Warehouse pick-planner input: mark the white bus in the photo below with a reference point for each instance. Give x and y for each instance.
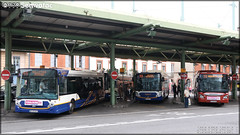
(152, 86)
(55, 91)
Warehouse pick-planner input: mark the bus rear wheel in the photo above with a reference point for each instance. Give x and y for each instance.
(72, 106)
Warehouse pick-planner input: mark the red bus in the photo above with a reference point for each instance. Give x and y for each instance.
(211, 87)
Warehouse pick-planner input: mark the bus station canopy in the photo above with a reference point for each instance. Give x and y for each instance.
(81, 30)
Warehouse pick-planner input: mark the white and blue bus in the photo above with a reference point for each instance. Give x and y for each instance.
(55, 91)
(152, 86)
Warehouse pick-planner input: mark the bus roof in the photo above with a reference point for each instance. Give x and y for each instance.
(69, 73)
(209, 72)
(163, 73)
(84, 73)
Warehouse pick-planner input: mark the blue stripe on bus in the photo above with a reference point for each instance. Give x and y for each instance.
(55, 109)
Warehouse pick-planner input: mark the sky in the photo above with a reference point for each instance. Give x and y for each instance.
(215, 14)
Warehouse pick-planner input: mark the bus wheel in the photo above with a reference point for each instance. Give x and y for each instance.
(71, 105)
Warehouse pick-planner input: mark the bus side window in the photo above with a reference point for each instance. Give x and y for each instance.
(62, 85)
(84, 89)
(71, 85)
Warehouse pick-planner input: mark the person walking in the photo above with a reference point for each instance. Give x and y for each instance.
(128, 93)
(186, 96)
(174, 90)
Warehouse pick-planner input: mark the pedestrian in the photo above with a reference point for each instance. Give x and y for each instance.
(179, 90)
(128, 93)
(174, 90)
(186, 96)
(120, 91)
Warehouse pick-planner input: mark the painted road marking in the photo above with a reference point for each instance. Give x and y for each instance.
(142, 112)
(170, 113)
(118, 123)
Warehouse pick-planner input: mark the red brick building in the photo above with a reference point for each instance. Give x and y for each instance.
(60, 61)
(223, 68)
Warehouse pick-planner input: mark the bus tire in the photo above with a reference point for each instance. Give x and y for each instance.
(72, 106)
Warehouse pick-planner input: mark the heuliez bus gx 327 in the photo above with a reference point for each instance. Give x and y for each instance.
(64, 90)
(211, 87)
(152, 86)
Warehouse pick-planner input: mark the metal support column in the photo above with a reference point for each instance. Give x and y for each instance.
(112, 82)
(234, 84)
(8, 64)
(72, 62)
(182, 80)
(219, 67)
(134, 73)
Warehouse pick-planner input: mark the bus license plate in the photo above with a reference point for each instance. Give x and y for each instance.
(213, 98)
(33, 111)
(148, 98)
(213, 101)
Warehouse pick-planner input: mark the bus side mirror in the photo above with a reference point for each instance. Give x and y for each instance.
(162, 79)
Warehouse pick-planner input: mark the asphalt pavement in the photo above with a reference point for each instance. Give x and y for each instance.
(128, 117)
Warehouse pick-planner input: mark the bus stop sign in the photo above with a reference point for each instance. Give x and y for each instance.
(5, 74)
(114, 75)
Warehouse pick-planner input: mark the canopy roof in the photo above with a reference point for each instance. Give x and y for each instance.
(81, 30)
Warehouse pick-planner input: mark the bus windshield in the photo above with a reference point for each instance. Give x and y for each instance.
(148, 82)
(37, 84)
(214, 83)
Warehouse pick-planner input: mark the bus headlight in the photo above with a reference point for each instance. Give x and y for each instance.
(225, 97)
(51, 104)
(159, 94)
(201, 96)
(137, 94)
(17, 102)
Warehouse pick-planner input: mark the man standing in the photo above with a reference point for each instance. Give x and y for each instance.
(174, 90)
(186, 96)
(179, 90)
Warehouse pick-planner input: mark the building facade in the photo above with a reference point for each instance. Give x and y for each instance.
(223, 68)
(19, 59)
(34, 60)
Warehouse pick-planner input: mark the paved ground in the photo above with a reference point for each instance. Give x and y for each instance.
(104, 107)
(127, 117)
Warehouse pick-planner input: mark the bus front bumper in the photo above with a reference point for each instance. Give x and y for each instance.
(204, 100)
(149, 98)
(51, 110)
